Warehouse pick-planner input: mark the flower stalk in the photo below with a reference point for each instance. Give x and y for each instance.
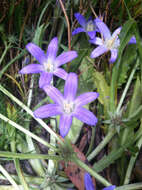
(7, 47)
(133, 186)
(103, 143)
(22, 156)
(127, 87)
(91, 171)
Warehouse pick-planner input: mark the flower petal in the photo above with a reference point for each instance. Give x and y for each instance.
(52, 49)
(132, 40)
(96, 41)
(78, 30)
(61, 73)
(65, 124)
(98, 51)
(88, 182)
(47, 111)
(116, 32)
(86, 98)
(65, 58)
(114, 54)
(104, 30)
(70, 88)
(85, 116)
(91, 34)
(54, 94)
(36, 52)
(80, 19)
(45, 79)
(96, 28)
(112, 187)
(31, 68)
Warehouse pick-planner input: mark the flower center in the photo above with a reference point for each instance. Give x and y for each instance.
(68, 107)
(112, 43)
(90, 26)
(48, 66)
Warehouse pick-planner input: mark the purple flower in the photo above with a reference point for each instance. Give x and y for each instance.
(49, 63)
(88, 182)
(89, 27)
(68, 105)
(132, 40)
(90, 186)
(112, 187)
(108, 43)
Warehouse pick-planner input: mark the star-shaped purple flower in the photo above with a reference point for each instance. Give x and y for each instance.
(68, 105)
(49, 63)
(90, 186)
(108, 43)
(89, 26)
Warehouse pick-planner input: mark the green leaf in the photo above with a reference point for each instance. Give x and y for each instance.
(102, 88)
(77, 62)
(139, 45)
(38, 34)
(127, 59)
(126, 33)
(114, 155)
(137, 114)
(136, 100)
(133, 150)
(86, 80)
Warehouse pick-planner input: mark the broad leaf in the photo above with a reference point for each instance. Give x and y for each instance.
(102, 88)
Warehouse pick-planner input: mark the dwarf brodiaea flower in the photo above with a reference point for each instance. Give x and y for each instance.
(89, 26)
(108, 43)
(90, 186)
(49, 63)
(68, 105)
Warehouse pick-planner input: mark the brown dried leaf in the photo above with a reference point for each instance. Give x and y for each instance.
(76, 174)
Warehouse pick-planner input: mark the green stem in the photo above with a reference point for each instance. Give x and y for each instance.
(29, 179)
(107, 138)
(127, 86)
(23, 106)
(6, 174)
(10, 187)
(12, 123)
(92, 172)
(92, 141)
(5, 51)
(20, 174)
(133, 186)
(23, 156)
